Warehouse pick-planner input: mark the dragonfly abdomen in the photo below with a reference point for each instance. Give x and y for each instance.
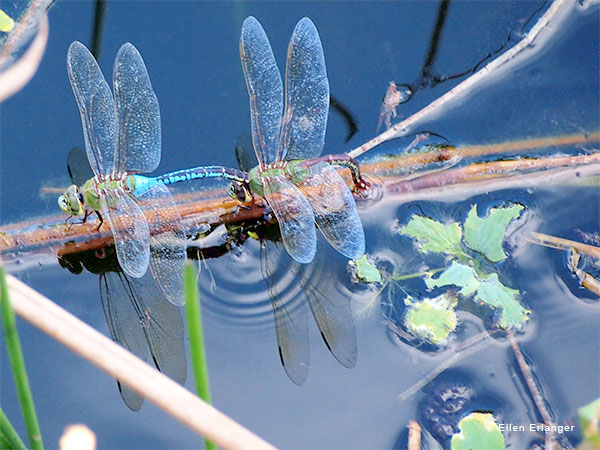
(203, 172)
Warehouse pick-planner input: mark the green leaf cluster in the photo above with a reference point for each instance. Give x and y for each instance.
(483, 236)
(432, 319)
(365, 271)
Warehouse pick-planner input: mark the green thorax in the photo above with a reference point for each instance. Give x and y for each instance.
(90, 190)
(292, 170)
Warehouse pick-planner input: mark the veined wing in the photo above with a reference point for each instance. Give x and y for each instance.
(306, 95)
(333, 316)
(96, 106)
(265, 89)
(167, 241)
(291, 326)
(130, 230)
(334, 209)
(137, 313)
(123, 323)
(295, 217)
(138, 115)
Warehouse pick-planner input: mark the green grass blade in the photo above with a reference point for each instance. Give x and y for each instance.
(17, 362)
(8, 436)
(194, 322)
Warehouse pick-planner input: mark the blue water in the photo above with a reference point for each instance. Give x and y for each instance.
(191, 52)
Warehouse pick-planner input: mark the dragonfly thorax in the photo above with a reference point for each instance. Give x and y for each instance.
(75, 200)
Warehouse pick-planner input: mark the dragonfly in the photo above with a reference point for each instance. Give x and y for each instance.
(330, 310)
(122, 139)
(299, 187)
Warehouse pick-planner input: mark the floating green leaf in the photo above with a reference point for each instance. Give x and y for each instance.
(365, 271)
(459, 275)
(494, 293)
(432, 319)
(6, 22)
(433, 235)
(478, 431)
(486, 235)
(589, 418)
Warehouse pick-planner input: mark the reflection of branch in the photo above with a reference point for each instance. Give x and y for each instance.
(402, 128)
(121, 364)
(533, 389)
(15, 77)
(99, 9)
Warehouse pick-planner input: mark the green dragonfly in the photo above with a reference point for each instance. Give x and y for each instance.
(300, 188)
(122, 138)
(137, 314)
(330, 310)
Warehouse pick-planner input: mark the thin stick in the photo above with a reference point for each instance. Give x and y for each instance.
(17, 363)
(477, 342)
(13, 79)
(121, 364)
(533, 389)
(401, 129)
(197, 350)
(563, 244)
(53, 232)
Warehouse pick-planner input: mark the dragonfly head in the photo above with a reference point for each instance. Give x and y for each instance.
(240, 191)
(71, 201)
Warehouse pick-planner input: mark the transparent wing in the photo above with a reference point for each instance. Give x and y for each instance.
(333, 316)
(130, 230)
(265, 89)
(306, 95)
(138, 115)
(137, 314)
(78, 167)
(167, 241)
(96, 106)
(295, 217)
(163, 328)
(291, 326)
(334, 209)
(123, 323)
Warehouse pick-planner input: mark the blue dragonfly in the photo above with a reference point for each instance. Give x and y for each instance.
(123, 138)
(300, 188)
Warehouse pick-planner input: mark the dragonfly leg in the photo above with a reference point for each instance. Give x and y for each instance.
(361, 185)
(100, 219)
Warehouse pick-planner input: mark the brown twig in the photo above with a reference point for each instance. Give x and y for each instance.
(553, 14)
(564, 244)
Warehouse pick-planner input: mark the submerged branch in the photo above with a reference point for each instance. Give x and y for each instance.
(402, 128)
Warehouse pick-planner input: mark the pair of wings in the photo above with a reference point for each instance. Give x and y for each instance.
(123, 136)
(330, 309)
(139, 319)
(297, 132)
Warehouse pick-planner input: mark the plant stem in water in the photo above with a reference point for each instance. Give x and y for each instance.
(18, 366)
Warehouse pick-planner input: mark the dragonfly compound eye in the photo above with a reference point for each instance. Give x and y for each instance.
(231, 191)
(63, 203)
